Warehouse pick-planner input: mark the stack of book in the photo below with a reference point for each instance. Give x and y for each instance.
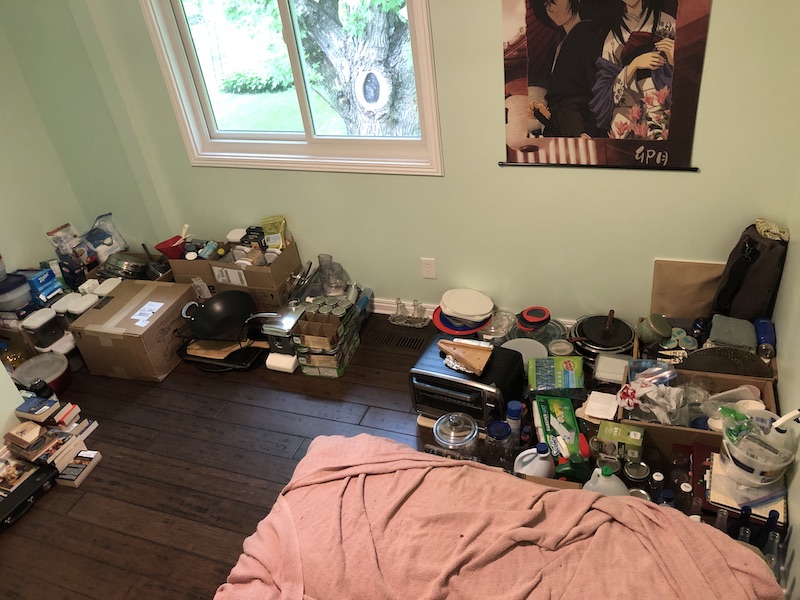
(49, 433)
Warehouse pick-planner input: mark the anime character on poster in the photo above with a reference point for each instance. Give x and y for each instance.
(633, 88)
(565, 111)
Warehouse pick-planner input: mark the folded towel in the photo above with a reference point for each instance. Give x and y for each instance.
(727, 331)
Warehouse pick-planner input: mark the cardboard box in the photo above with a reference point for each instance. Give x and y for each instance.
(682, 291)
(329, 364)
(269, 286)
(226, 272)
(323, 332)
(270, 276)
(664, 436)
(131, 333)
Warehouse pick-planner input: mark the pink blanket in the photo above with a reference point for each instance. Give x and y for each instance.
(369, 518)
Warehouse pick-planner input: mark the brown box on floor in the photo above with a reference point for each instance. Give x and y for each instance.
(685, 290)
(664, 436)
(268, 285)
(131, 333)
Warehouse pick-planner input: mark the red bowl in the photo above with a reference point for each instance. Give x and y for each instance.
(169, 249)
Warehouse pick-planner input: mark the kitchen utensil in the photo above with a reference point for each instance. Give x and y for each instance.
(155, 268)
(182, 237)
(223, 314)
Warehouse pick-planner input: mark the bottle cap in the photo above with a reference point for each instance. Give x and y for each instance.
(658, 476)
(542, 448)
(686, 488)
(514, 409)
(606, 471)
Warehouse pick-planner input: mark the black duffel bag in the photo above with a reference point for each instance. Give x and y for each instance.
(749, 284)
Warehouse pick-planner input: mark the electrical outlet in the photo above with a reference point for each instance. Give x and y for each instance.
(428, 268)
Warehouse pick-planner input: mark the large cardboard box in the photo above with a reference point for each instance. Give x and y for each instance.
(269, 286)
(664, 436)
(213, 272)
(131, 333)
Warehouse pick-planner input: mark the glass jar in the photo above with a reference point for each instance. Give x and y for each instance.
(636, 474)
(499, 445)
(457, 431)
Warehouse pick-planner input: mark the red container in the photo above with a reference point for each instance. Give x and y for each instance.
(169, 248)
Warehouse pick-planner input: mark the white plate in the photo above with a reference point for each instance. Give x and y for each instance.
(527, 347)
(467, 304)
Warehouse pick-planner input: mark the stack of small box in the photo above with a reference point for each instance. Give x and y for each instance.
(326, 337)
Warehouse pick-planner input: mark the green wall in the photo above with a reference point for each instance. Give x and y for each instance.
(96, 132)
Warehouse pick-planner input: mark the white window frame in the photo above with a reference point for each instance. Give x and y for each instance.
(207, 146)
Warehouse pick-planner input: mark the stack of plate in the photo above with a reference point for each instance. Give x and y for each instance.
(463, 311)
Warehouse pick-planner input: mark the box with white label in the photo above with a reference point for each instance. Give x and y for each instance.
(133, 332)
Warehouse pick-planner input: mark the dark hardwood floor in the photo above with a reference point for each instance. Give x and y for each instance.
(191, 465)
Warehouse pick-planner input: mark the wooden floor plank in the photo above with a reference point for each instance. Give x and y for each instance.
(122, 551)
(237, 460)
(189, 476)
(305, 426)
(172, 500)
(191, 465)
(178, 533)
(78, 574)
(240, 435)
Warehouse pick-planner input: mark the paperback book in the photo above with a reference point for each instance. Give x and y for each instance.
(12, 472)
(24, 434)
(37, 409)
(79, 468)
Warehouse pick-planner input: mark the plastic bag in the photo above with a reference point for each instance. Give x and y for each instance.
(105, 238)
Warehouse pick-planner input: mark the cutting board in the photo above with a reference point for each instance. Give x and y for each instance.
(472, 356)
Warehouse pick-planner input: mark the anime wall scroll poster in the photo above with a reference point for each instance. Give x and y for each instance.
(603, 82)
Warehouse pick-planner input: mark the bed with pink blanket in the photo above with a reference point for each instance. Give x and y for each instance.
(368, 518)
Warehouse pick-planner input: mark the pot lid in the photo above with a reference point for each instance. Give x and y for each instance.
(454, 430)
(46, 367)
(11, 283)
(660, 325)
(532, 318)
(606, 331)
(638, 471)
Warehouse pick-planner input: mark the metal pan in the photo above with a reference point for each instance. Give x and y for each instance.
(224, 314)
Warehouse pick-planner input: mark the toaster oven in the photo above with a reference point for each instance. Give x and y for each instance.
(436, 389)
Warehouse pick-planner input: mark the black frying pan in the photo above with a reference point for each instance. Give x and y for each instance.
(221, 315)
(605, 331)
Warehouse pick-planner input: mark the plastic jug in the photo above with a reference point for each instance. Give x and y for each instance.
(575, 469)
(604, 481)
(536, 462)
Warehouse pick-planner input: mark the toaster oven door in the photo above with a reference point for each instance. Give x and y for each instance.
(433, 399)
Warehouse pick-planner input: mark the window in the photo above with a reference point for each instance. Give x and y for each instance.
(328, 85)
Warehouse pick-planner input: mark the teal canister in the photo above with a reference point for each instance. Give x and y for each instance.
(653, 329)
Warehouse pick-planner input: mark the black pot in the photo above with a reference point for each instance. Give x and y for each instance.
(221, 315)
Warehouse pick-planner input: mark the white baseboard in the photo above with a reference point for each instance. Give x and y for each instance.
(386, 306)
